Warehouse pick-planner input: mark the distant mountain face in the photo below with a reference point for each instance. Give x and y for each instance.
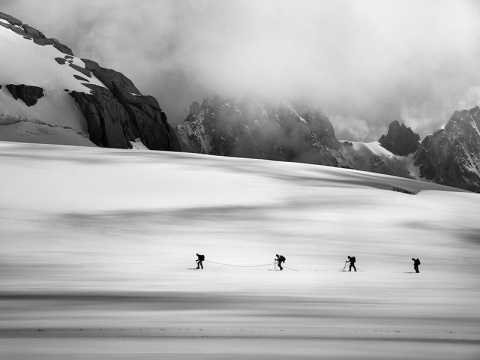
(254, 129)
(400, 140)
(300, 132)
(451, 156)
(48, 95)
(286, 131)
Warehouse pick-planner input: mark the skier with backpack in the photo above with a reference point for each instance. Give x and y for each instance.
(351, 260)
(280, 259)
(416, 263)
(200, 260)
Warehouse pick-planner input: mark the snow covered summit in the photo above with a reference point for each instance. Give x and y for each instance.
(48, 95)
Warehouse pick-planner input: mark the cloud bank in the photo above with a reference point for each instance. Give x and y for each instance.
(367, 62)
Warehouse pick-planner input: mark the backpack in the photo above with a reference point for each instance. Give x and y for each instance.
(201, 257)
(353, 260)
(282, 258)
(418, 261)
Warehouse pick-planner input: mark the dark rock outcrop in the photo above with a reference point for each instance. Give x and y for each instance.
(61, 47)
(29, 32)
(119, 113)
(109, 77)
(29, 94)
(116, 117)
(81, 70)
(451, 156)
(12, 20)
(80, 78)
(107, 120)
(34, 33)
(259, 129)
(57, 44)
(400, 140)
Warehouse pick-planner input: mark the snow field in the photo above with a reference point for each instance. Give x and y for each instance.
(97, 247)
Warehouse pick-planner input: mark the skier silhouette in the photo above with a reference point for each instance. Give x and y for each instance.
(200, 260)
(280, 259)
(352, 260)
(416, 262)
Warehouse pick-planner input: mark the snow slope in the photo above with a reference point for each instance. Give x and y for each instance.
(24, 62)
(97, 246)
(375, 158)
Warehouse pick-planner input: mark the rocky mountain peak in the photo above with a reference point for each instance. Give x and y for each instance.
(195, 108)
(400, 140)
(451, 156)
(258, 128)
(464, 119)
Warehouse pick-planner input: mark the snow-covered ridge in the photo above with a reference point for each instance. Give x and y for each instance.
(53, 87)
(25, 62)
(373, 157)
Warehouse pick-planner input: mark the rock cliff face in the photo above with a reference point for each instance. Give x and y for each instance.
(120, 114)
(29, 94)
(31, 33)
(400, 140)
(451, 156)
(259, 129)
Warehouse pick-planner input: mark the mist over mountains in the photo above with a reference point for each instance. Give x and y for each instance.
(300, 132)
(279, 130)
(49, 95)
(367, 63)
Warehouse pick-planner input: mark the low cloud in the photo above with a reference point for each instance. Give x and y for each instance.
(376, 60)
(350, 128)
(470, 99)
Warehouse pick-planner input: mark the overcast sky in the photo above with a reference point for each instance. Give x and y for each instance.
(366, 62)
